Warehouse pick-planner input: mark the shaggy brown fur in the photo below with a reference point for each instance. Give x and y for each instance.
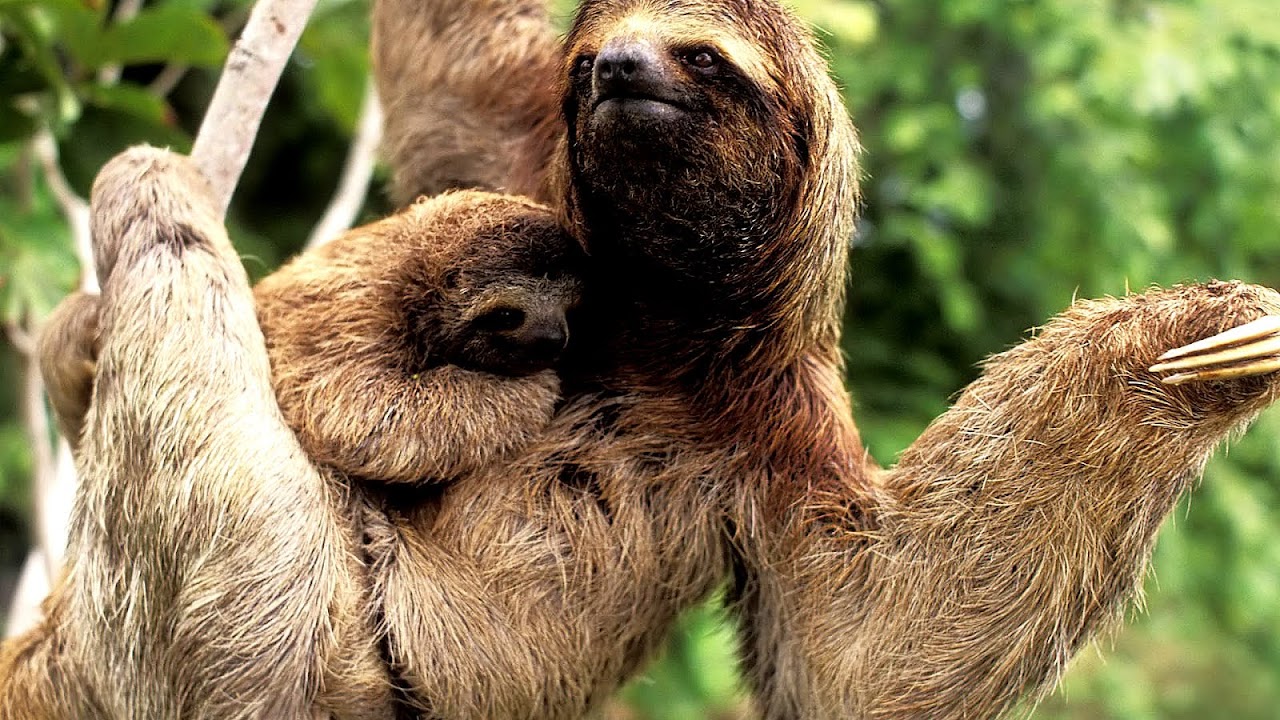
(420, 347)
(488, 121)
(564, 579)
(841, 573)
(533, 588)
(707, 430)
(223, 585)
(392, 334)
(416, 348)
(1013, 530)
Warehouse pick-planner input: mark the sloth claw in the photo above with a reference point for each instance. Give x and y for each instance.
(1245, 351)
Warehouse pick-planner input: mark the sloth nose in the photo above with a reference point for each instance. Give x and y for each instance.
(544, 337)
(626, 66)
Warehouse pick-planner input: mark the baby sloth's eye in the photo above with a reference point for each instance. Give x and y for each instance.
(585, 64)
(701, 58)
(500, 319)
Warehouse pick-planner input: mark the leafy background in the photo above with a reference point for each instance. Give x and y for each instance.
(1018, 153)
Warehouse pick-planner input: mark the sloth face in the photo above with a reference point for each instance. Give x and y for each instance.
(689, 132)
(514, 327)
(502, 306)
(648, 86)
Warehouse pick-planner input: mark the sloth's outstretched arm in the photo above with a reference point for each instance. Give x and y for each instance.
(210, 574)
(1019, 524)
(468, 89)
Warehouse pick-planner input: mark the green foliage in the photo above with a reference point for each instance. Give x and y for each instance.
(1018, 153)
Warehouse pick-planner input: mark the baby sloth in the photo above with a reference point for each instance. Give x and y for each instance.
(422, 346)
(417, 348)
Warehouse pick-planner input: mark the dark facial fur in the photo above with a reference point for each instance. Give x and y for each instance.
(655, 106)
(510, 319)
(684, 148)
(710, 167)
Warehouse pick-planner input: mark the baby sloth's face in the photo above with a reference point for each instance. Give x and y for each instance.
(508, 323)
(507, 316)
(491, 289)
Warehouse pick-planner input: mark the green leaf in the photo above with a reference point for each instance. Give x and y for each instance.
(166, 34)
(131, 99)
(36, 29)
(39, 266)
(335, 47)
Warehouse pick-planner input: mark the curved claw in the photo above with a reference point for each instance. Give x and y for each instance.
(1251, 349)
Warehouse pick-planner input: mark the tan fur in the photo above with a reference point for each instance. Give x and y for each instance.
(350, 369)
(68, 351)
(354, 378)
(223, 585)
(486, 123)
(359, 397)
(1010, 533)
(708, 430)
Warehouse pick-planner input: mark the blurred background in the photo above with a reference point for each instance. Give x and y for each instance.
(1019, 153)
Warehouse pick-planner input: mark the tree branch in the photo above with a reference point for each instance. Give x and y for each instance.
(54, 476)
(33, 586)
(251, 73)
(356, 172)
(168, 79)
(73, 206)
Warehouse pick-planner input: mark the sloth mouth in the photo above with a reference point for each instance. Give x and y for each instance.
(639, 104)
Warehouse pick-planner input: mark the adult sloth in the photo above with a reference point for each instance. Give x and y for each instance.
(532, 589)
(709, 168)
(949, 586)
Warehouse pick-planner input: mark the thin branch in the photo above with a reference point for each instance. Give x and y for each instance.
(57, 498)
(21, 339)
(172, 74)
(54, 475)
(73, 206)
(252, 71)
(356, 172)
(33, 586)
(168, 79)
(35, 419)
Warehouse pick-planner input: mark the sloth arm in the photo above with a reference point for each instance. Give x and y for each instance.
(344, 379)
(341, 391)
(1015, 528)
(468, 92)
(208, 558)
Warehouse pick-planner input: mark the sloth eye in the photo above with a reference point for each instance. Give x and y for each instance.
(585, 64)
(500, 319)
(702, 58)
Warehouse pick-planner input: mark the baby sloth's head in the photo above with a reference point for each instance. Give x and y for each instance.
(422, 346)
(506, 316)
